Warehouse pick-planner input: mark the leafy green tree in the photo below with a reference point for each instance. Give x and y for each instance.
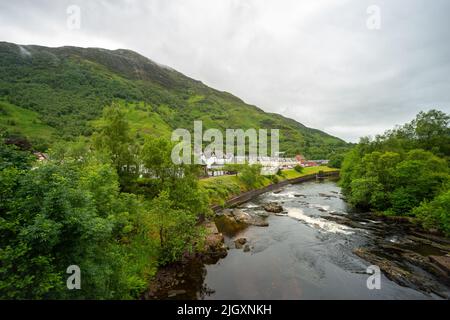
(251, 176)
(177, 199)
(434, 214)
(432, 131)
(113, 137)
(403, 172)
(11, 156)
(335, 161)
(176, 227)
(61, 214)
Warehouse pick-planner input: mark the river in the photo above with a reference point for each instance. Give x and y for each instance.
(304, 254)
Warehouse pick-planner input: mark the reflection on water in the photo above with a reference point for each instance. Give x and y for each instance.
(300, 255)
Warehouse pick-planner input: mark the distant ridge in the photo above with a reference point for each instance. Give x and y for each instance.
(66, 88)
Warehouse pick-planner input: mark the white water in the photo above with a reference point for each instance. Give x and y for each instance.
(318, 223)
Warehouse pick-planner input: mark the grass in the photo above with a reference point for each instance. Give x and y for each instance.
(291, 173)
(142, 120)
(222, 188)
(24, 122)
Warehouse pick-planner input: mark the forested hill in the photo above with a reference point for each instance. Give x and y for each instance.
(58, 93)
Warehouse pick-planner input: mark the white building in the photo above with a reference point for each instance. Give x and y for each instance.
(270, 165)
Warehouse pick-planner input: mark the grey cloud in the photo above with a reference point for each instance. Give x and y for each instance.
(314, 61)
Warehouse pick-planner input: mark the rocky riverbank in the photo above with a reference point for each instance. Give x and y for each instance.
(170, 282)
(325, 231)
(400, 248)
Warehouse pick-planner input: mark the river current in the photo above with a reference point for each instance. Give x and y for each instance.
(300, 255)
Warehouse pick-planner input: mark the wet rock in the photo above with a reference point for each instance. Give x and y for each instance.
(443, 262)
(431, 238)
(399, 273)
(298, 195)
(324, 195)
(345, 221)
(262, 214)
(337, 213)
(173, 293)
(273, 207)
(214, 242)
(258, 222)
(240, 217)
(228, 225)
(239, 243)
(246, 248)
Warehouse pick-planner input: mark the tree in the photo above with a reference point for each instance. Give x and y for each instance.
(403, 172)
(61, 214)
(176, 227)
(434, 214)
(432, 131)
(336, 160)
(113, 137)
(11, 156)
(177, 200)
(251, 176)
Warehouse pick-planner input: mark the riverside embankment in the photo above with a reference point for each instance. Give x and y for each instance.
(318, 247)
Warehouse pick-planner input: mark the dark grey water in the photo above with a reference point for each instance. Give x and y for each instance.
(299, 256)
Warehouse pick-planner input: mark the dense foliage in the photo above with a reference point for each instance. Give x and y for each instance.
(404, 171)
(64, 90)
(72, 210)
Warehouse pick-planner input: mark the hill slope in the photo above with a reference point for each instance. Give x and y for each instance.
(68, 87)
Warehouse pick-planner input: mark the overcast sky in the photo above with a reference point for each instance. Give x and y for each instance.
(315, 61)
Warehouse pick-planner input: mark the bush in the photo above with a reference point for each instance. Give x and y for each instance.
(251, 176)
(58, 215)
(336, 161)
(435, 214)
(274, 179)
(298, 168)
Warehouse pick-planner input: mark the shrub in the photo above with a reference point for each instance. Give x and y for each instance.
(435, 214)
(251, 176)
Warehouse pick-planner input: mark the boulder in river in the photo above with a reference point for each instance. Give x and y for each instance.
(399, 273)
(241, 216)
(214, 241)
(246, 248)
(173, 293)
(443, 262)
(239, 243)
(273, 207)
(237, 219)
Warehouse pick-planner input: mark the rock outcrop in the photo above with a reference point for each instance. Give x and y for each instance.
(237, 216)
(214, 242)
(239, 243)
(273, 207)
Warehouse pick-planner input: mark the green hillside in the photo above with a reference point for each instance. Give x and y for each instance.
(66, 88)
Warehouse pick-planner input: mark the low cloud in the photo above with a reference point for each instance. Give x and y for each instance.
(314, 61)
